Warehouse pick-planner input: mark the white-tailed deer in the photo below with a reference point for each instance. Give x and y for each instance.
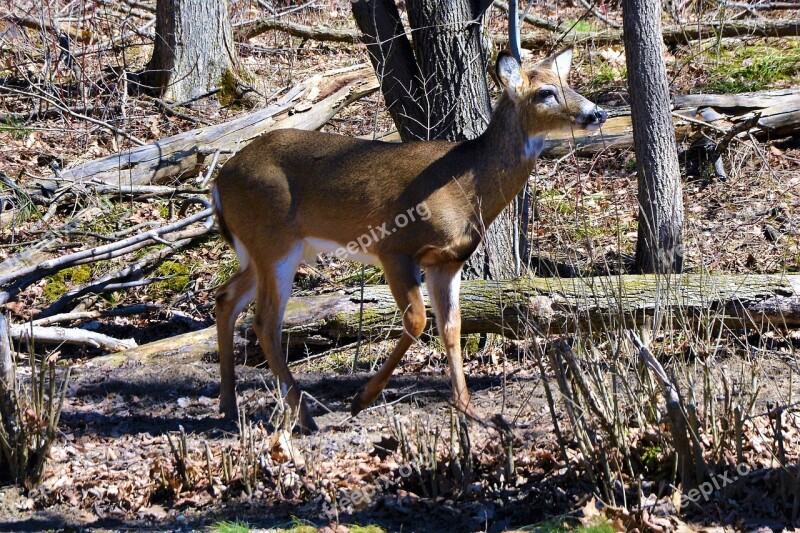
(291, 194)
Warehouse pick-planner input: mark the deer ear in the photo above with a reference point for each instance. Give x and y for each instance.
(509, 71)
(562, 62)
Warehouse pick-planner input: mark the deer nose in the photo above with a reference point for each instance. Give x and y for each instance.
(600, 115)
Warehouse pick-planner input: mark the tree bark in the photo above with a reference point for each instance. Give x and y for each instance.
(521, 307)
(659, 245)
(395, 66)
(194, 50)
(453, 64)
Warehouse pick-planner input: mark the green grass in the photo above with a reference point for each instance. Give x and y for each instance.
(605, 75)
(582, 25)
(15, 127)
(230, 527)
(752, 68)
(557, 525)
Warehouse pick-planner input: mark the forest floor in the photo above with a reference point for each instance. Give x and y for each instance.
(407, 464)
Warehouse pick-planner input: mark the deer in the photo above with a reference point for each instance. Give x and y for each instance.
(408, 207)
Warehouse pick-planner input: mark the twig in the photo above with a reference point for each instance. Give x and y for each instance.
(691, 463)
(170, 110)
(44, 114)
(317, 33)
(207, 178)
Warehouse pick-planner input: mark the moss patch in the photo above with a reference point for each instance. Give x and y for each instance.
(58, 284)
(753, 68)
(177, 274)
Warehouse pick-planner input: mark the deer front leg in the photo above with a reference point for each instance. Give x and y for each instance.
(444, 286)
(403, 276)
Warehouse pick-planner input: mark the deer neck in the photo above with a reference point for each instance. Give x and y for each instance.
(508, 154)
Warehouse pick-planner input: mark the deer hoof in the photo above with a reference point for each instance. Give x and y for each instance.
(229, 410)
(357, 405)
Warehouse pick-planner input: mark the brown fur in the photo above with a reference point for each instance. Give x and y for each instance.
(290, 185)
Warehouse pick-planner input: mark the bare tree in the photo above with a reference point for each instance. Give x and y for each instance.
(194, 50)
(660, 240)
(435, 87)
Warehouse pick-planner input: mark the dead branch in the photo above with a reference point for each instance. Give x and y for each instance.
(132, 272)
(17, 280)
(32, 23)
(680, 34)
(316, 33)
(760, 5)
(82, 337)
(592, 8)
(674, 34)
(539, 22)
(81, 316)
(185, 154)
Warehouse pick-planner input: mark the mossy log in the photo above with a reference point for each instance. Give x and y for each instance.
(528, 306)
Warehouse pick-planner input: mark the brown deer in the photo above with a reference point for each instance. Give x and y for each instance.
(291, 194)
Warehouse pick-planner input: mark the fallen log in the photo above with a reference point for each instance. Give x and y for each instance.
(525, 307)
(184, 154)
(780, 116)
(678, 34)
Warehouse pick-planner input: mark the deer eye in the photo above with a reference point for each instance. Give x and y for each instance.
(545, 93)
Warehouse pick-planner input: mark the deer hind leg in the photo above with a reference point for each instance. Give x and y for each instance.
(274, 289)
(444, 285)
(404, 280)
(232, 298)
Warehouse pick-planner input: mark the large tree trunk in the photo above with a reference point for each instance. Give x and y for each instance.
(453, 64)
(659, 245)
(194, 50)
(522, 307)
(438, 89)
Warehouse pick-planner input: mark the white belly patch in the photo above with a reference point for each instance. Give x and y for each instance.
(312, 247)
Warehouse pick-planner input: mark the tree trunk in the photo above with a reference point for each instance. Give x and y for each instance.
(438, 89)
(516, 308)
(447, 43)
(659, 246)
(194, 50)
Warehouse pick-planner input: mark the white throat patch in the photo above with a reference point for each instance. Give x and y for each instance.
(534, 145)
